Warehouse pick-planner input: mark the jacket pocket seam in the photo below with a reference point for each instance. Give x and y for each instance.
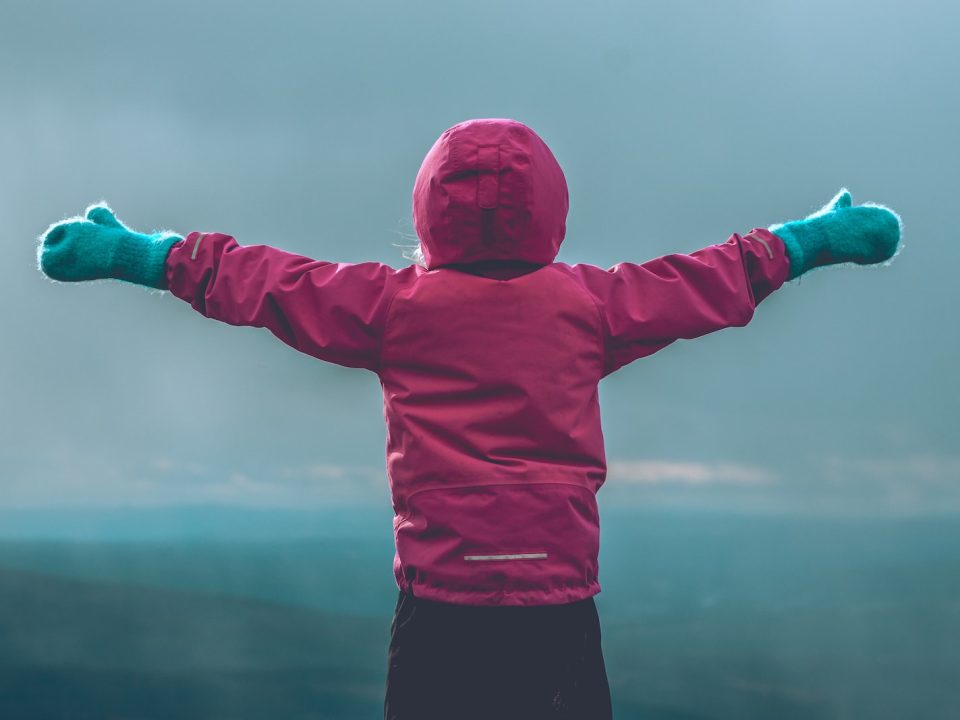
(465, 486)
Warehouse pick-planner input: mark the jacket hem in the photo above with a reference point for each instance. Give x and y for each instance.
(554, 596)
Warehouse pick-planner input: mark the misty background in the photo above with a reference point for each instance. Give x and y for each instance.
(780, 517)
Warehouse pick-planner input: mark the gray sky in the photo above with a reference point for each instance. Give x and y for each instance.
(303, 124)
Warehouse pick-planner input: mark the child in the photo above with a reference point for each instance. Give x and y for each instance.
(489, 354)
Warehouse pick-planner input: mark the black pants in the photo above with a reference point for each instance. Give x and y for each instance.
(460, 662)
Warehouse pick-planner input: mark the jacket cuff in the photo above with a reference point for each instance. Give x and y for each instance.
(766, 262)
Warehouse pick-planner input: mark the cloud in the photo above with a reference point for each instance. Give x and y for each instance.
(917, 483)
(912, 484)
(672, 472)
(924, 468)
(91, 480)
(94, 481)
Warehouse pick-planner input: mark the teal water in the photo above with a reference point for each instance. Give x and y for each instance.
(704, 616)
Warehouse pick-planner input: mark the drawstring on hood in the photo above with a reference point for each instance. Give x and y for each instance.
(489, 189)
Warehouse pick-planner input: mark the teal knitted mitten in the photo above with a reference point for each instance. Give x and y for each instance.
(100, 246)
(840, 233)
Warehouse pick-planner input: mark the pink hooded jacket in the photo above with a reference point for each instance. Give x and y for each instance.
(489, 357)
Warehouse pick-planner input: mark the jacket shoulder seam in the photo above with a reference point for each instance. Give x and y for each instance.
(602, 329)
(386, 319)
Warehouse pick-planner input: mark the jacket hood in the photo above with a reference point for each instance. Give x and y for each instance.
(489, 189)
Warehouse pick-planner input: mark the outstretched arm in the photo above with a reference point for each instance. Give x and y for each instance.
(332, 311)
(646, 307)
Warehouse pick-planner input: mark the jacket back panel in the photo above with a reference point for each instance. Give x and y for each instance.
(494, 443)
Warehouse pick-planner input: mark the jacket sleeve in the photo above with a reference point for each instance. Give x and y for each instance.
(332, 311)
(646, 307)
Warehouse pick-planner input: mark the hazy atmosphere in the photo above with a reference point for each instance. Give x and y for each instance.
(790, 477)
(303, 125)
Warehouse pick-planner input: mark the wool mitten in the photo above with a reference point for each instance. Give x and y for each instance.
(840, 233)
(100, 246)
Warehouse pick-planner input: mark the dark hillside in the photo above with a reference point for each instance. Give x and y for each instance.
(80, 649)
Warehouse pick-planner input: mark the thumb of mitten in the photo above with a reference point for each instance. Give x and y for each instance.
(103, 215)
(842, 199)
